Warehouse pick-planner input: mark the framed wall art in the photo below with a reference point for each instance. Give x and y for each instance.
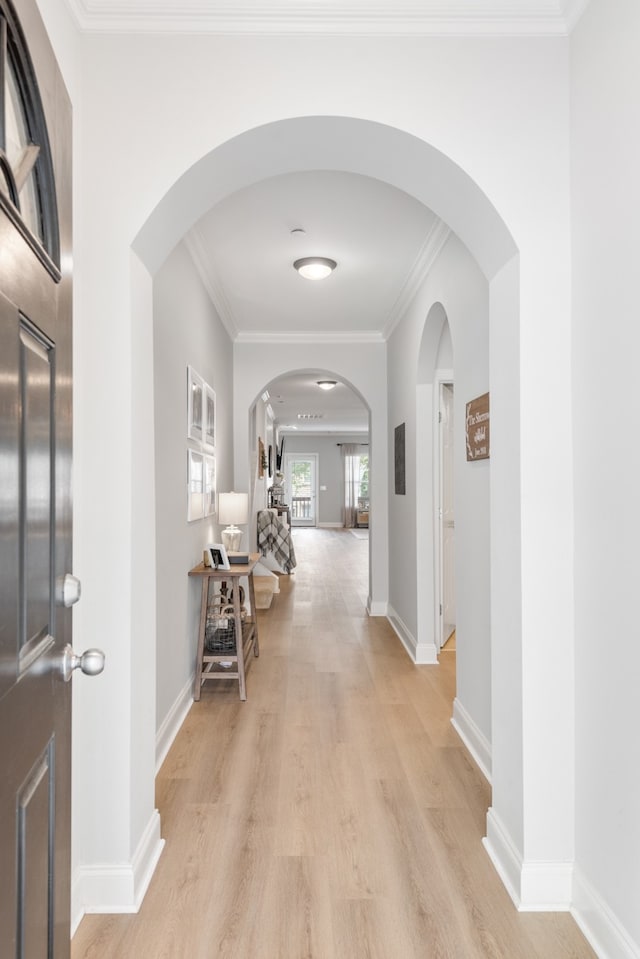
(209, 485)
(195, 486)
(209, 415)
(195, 405)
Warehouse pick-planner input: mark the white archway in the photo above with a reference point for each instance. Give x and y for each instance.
(362, 368)
(403, 160)
(410, 164)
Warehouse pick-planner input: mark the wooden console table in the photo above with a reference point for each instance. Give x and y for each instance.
(208, 664)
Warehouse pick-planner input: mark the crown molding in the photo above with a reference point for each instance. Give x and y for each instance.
(197, 251)
(573, 10)
(429, 253)
(313, 337)
(331, 17)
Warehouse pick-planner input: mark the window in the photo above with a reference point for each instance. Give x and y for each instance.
(356, 481)
(27, 189)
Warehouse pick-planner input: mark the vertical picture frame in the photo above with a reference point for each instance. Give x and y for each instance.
(195, 486)
(209, 485)
(209, 417)
(218, 558)
(195, 405)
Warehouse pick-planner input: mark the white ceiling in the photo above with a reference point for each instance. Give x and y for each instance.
(382, 239)
(300, 406)
(378, 235)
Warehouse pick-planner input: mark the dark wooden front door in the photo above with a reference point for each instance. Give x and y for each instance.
(35, 491)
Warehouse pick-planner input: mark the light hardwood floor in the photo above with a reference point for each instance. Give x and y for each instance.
(335, 814)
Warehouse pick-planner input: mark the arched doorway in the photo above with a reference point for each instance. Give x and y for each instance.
(369, 148)
(338, 417)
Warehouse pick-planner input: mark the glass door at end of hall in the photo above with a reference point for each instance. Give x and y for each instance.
(300, 478)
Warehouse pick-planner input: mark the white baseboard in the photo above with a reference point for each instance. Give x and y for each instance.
(172, 722)
(376, 608)
(504, 855)
(606, 935)
(473, 738)
(330, 525)
(533, 886)
(422, 654)
(117, 887)
(546, 886)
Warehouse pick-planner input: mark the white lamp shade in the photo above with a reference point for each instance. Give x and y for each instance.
(233, 508)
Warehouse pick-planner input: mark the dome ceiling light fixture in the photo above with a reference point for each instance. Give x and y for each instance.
(326, 384)
(315, 267)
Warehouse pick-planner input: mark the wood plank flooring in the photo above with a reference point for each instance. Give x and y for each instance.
(335, 814)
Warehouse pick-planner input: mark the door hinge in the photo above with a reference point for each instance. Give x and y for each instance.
(439, 416)
(441, 609)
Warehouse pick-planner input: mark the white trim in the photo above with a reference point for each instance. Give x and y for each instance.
(195, 244)
(399, 18)
(422, 654)
(603, 930)
(429, 253)
(121, 887)
(172, 722)
(546, 886)
(534, 886)
(473, 738)
(376, 607)
(503, 854)
(441, 377)
(330, 525)
(573, 10)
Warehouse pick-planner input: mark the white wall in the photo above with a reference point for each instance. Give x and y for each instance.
(458, 286)
(606, 335)
(491, 148)
(330, 470)
(186, 330)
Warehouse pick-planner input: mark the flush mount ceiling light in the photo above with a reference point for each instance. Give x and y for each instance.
(315, 267)
(326, 384)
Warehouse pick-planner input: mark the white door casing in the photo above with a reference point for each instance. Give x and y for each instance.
(446, 514)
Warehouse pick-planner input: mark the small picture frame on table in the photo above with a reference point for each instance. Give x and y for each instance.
(218, 558)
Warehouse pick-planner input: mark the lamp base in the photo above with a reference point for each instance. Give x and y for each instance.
(231, 538)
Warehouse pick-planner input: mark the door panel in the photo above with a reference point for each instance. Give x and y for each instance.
(36, 377)
(34, 703)
(35, 497)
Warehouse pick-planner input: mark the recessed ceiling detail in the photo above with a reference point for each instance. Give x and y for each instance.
(354, 17)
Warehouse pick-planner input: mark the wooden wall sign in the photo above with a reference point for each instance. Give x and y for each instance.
(477, 425)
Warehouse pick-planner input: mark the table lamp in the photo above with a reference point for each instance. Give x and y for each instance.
(233, 509)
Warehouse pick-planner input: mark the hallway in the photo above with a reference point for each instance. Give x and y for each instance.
(334, 814)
